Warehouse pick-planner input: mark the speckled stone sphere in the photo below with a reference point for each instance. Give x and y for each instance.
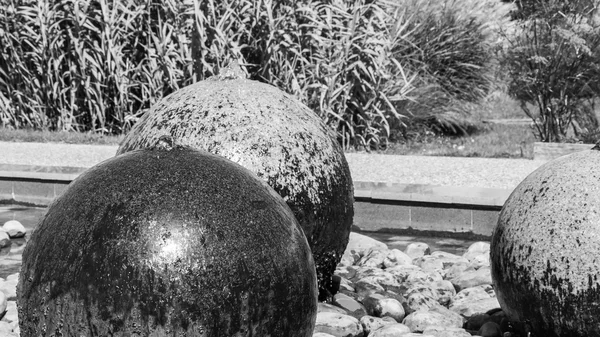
(545, 250)
(167, 242)
(273, 135)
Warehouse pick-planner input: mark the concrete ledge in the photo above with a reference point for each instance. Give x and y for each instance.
(550, 151)
(389, 207)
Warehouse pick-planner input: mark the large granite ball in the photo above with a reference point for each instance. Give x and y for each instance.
(545, 250)
(167, 242)
(273, 135)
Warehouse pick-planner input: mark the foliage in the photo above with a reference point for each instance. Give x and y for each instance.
(450, 45)
(553, 62)
(98, 65)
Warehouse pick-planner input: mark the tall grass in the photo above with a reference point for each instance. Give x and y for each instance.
(98, 65)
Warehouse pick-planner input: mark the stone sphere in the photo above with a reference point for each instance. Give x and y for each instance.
(545, 250)
(167, 242)
(273, 135)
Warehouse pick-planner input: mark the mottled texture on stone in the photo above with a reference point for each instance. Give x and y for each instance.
(273, 135)
(167, 242)
(545, 250)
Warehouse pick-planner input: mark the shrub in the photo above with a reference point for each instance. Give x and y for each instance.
(450, 46)
(553, 62)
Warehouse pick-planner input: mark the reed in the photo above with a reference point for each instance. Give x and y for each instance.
(98, 65)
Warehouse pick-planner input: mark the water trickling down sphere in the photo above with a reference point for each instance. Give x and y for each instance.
(273, 135)
(545, 249)
(168, 241)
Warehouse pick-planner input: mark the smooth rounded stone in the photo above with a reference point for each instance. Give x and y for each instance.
(158, 242)
(360, 244)
(325, 307)
(367, 285)
(476, 321)
(9, 287)
(417, 249)
(456, 319)
(476, 307)
(322, 334)
(472, 278)
(349, 304)
(476, 249)
(418, 321)
(482, 260)
(386, 280)
(338, 325)
(11, 314)
(14, 229)
(371, 323)
(346, 272)
(442, 331)
(429, 263)
(469, 295)
(423, 276)
(346, 285)
(362, 272)
(401, 272)
(391, 330)
(457, 269)
(420, 301)
(545, 247)
(445, 291)
(3, 303)
(448, 259)
(373, 258)
(272, 134)
(6, 330)
(490, 329)
(4, 239)
(380, 306)
(396, 257)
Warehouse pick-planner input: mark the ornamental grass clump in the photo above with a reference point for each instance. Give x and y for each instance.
(98, 65)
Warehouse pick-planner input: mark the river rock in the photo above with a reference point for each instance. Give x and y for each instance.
(445, 291)
(417, 249)
(396, 257)
(371, 323)
(391, 330)
(418, 301)
(439, 331)
(472, 278)
(12, 314)
(401, 272)
(476, 249)
(490, 329)
(9, 286)
(360, 244)
(14, 229)
(476, 307)
(457, 269)
(338, 325)
(418, 321)
(380, 306)
(325, 307)
(322, 334)
(4, 239)
(272, 134)
(6, 330)
(349, 304)
(428, 262)
(448, 259)
(3, 304)
(469, 295)
(373, 258)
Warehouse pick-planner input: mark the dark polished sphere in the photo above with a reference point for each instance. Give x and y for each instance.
(167, 241)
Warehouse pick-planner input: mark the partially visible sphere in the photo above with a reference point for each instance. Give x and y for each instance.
(545, 250)
(167, 242)
(273, 135)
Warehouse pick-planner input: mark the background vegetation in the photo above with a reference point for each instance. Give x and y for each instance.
(377, 71)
